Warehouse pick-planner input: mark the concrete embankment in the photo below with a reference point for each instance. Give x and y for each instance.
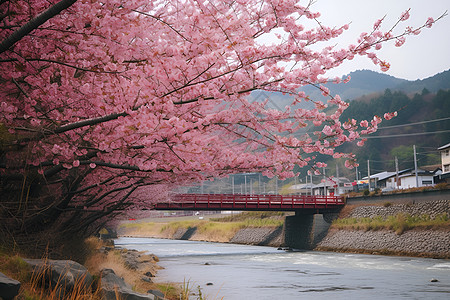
(426, 243)
(416, 242)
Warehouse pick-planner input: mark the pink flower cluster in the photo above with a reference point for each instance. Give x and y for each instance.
(158, 91)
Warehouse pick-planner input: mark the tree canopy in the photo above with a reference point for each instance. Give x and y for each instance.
(103, 104)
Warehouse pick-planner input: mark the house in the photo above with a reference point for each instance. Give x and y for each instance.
(424, 178)
(445, 158)
(445, 163)
(327, 187)
(301, 189)
(387, 181)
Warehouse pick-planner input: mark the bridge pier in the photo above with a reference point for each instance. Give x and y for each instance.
(305, 231)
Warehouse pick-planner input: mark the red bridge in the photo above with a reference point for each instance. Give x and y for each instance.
(297, 203)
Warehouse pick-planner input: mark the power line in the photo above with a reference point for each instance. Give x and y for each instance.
(402, 135)
(415, 123)
(427, 152)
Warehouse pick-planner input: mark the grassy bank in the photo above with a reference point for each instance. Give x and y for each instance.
(220, 229)
(398, 223)
(14, 266)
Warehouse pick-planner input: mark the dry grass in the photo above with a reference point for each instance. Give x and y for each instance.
(216, 229)
(32, 287)
(217, 232)
(398, 223)
(15, 267)
(140, 228)
(113, 260)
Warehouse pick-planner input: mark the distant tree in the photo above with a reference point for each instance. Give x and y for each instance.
(404, 154)
(425, 91)
(106, 103)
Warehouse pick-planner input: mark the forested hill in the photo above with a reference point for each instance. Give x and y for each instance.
(363, 82)
(371, 93)
(431, 113)
(435, 83)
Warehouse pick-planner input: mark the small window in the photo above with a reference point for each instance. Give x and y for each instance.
(446, 168)
(427, 182)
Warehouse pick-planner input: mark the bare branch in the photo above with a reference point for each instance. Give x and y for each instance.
(35, 23)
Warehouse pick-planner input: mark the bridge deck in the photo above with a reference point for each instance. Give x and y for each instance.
(240, 202)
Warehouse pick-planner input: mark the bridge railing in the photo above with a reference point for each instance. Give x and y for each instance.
(244, 201)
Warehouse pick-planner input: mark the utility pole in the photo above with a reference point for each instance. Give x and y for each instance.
(245, 184)
(324, 183)
(356, 174)
(259, 183)
(337, 176)
(396, 173)
(276, 185)
(415, 166)
(368, 172)
(310, 177)
(232, 183)
(306, 184)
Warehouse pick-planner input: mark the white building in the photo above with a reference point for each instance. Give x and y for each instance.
(445, 158)
(387, 181)
(445, 163)
(424, 178)
(328, 187)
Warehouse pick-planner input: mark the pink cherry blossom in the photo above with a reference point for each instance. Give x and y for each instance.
(400, 41)
(385, 66)
(361, 142)
(364, 123)
(405, 16)
(109, 99)
(389, 116)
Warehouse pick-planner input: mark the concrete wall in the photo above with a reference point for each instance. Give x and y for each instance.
(413, 197)
(306, 231)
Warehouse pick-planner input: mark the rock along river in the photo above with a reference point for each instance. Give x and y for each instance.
(255, 272)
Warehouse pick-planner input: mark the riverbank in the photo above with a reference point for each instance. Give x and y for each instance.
(414, 243)
(427, 240)
(421, 241)
(108, 273)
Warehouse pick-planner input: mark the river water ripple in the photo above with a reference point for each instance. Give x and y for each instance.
(255, 272)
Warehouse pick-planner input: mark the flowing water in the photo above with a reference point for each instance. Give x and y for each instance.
(256, 272)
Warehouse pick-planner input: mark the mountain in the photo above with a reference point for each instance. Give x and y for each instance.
(425, 104)
(363, 82)
(435, 83)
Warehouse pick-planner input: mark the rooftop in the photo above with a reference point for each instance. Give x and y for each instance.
(444, 147)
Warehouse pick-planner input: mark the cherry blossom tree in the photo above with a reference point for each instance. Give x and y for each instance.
(107, 104)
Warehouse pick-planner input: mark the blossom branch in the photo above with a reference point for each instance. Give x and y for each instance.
(35, 23)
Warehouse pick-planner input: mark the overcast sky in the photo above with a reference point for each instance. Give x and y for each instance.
(420, 57)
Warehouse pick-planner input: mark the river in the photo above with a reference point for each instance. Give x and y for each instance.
(255, 272)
